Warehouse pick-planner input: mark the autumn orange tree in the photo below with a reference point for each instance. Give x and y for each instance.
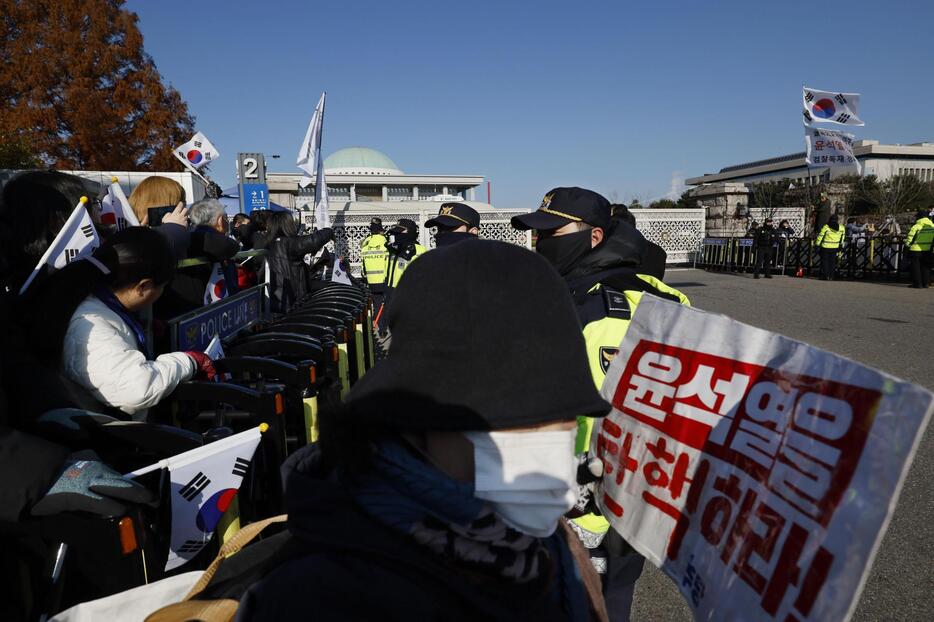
(78, 89)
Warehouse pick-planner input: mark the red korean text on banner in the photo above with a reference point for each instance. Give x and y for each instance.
(747, 480)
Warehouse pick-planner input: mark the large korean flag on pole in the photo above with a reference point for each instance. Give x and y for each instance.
(758, 472)
(115, 208)
(829, 107)
(311, 162)
(830, 148)
(78, 238)
(204, 483)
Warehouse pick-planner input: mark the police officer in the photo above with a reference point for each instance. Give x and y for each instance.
(375, 259)
(764, 238)
(599, 259)
(402, 249)
(919, 241)
(455, 222)
(829, 240)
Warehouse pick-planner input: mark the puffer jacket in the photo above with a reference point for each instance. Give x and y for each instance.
(288, 273)
(101, 355)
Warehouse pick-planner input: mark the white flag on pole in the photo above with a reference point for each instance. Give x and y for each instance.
(115, 208)
(311, 162)
(830, 148)
(216, 289)
(338, 274)
(78, 238)
(311, 146)
(197, 152)
(204, 483)
(829, 107)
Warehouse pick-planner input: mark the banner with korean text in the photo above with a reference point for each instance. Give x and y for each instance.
(756, 471)
(830, 148)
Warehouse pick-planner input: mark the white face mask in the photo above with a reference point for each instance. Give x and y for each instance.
(529, 478)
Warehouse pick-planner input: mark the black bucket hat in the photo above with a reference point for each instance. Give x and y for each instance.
(453, 215)
(564, 205)
(484, 337)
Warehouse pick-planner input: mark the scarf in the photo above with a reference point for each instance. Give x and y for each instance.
(409, 495)
(130, 319)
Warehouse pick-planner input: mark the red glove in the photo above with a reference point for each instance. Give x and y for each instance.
(204, 366)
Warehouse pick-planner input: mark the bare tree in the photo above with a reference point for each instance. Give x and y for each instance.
(769, 196)
(894, 195)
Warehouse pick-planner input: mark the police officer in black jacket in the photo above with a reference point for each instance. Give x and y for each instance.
(764, 238)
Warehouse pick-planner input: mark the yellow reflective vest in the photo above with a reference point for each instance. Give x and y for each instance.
(375, 259)
(602, 336)
(921, 235)
(397, 265)
(830, 238)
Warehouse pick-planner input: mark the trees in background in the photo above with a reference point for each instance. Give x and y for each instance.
(78, 90)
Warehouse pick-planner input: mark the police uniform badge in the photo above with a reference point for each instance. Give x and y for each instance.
(446, 211)
(607, 355)
(546, 202)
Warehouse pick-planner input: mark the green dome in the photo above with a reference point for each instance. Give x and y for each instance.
(360, 161)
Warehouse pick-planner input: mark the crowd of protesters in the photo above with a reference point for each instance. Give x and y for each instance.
(833, 238)
(404, 506)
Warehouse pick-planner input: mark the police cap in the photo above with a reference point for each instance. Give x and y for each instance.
(453, 215)
(564, 205)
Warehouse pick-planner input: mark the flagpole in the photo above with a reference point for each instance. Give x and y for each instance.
(213, 448)
(75, 214)
(192, 169)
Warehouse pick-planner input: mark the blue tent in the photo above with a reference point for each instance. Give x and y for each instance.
(231, 200)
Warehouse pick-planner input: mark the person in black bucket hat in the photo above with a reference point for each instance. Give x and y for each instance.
(456, 222)
(437, 489)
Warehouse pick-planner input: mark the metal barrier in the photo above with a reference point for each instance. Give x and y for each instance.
(878, 258)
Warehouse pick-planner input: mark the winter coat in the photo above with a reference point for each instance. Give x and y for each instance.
(100, 353)
(288, 273)
(346, 565)
(177, 236)
(186, 291)
(35, 461)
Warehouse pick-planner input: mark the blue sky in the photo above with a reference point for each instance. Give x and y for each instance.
(626, 98)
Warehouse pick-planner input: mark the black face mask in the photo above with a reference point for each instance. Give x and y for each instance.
(563, 251)
(446, 238)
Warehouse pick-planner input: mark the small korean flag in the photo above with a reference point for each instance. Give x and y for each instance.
(197, 152)
(78, 238)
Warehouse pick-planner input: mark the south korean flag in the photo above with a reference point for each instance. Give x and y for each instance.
(338, 273)
(829, 107)
(77, 239)
(115, 208)
(216, 288)
(204, 482)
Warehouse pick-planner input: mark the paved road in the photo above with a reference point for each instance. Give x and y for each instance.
(886, 326)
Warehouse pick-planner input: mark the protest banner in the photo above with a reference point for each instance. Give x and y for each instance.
(829, 148)
(756, 471)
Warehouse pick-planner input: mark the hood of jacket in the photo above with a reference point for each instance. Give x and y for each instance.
(622, 247)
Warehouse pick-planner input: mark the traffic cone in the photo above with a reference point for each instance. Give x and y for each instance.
(800, 272)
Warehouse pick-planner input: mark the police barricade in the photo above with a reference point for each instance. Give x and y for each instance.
(881, 257)
(744, 255)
